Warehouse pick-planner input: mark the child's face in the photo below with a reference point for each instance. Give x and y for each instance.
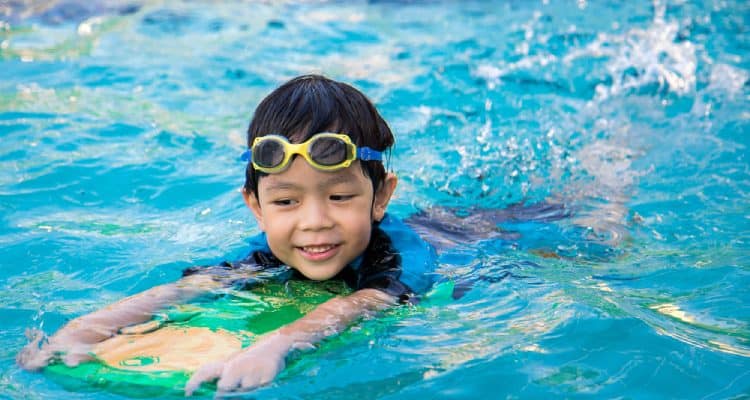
(318, 222)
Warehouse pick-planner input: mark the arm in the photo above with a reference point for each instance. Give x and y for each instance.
(76, 338)
(261, 362)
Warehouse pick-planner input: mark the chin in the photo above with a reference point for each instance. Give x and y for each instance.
(320, 275)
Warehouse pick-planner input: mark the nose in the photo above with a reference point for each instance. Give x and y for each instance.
(315, 216)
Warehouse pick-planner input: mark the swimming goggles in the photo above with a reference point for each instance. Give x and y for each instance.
(324, 151)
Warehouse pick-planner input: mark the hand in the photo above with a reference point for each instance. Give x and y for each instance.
(66, 345)
(248, 369)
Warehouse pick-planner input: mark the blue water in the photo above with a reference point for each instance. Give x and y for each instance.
(121, 124)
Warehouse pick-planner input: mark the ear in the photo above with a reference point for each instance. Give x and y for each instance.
(383, 196)
(251, 200)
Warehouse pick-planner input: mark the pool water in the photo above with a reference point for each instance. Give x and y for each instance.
(122, 122)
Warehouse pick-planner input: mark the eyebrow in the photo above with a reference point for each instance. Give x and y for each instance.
(326, 183)
(281, 186)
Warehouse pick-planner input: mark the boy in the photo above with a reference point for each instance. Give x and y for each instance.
(316, 184)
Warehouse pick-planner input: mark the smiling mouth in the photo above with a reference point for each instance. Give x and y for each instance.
(317, 249)
(319, 252)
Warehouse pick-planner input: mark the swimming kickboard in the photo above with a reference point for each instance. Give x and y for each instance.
(157, 358)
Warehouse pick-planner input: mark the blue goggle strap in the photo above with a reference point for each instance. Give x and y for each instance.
(368, 154)
(247, 156)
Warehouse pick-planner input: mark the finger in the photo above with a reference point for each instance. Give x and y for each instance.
(205, 373)
(228, 383)
(249, 383)
(270, 373)
(268, 377)
(32, 357)
(72, 359)
(34, 335)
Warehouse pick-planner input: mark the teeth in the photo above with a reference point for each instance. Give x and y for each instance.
(317, 249)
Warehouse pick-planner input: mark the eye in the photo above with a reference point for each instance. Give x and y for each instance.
(283, 202)
(341, 197)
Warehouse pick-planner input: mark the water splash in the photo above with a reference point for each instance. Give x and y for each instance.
(643, 57)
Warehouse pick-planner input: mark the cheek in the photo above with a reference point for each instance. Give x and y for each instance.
(365, 235)
(358, 238)
(278, 231)
(360, 226)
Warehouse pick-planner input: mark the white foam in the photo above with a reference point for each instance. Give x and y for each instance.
(642, 57)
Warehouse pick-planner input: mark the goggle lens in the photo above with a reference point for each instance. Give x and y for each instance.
(268, 153)
(328, 151)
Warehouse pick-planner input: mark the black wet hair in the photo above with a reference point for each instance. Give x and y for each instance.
(311, 104)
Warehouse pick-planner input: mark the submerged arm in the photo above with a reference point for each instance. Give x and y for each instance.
(332, 317)
(77, 336)
(260, 363)
(104, 323)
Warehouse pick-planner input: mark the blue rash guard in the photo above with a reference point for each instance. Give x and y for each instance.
(396, 261)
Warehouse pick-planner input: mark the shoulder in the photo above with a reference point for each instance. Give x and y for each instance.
(259, 265)
(258, 242)
(418, 258)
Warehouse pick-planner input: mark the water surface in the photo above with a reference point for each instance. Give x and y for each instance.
(121, 125)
